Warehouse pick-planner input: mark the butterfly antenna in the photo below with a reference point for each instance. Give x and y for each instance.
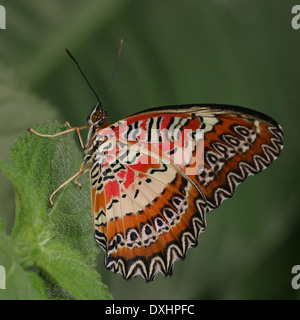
(115, 71)
(69, 53)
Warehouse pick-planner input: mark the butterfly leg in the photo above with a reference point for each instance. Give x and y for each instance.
(63, 132)
(78, 132)
(83, 172)
(80, 172)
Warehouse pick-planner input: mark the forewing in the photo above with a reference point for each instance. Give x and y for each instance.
(157, 173)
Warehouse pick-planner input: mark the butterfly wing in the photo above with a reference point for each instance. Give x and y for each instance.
(157, 173)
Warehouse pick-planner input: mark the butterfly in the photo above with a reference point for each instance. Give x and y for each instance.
(156, 174)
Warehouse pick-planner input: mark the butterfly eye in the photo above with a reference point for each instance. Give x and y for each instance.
(96, 116)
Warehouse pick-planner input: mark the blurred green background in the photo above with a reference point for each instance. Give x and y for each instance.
(175, 52)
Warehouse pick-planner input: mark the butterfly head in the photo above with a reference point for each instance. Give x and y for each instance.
(98, 116)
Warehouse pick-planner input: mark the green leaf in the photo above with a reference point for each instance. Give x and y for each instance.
(19, 283)
(47, 163)
(57, 240)
(70, 270)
